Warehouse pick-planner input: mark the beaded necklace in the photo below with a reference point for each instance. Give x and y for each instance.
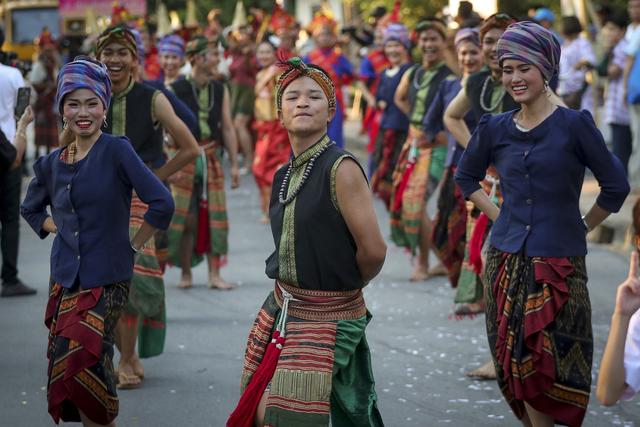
(483, 93)
(212, 99)
(305, 176)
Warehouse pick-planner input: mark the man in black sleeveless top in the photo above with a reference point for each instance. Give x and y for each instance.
(307, 360)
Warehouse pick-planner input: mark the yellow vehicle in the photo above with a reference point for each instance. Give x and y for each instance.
(23, 21)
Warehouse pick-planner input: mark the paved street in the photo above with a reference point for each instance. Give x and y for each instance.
(419, 352)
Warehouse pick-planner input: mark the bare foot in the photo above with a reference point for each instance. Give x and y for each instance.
(484, 372)
(469, 309)
(264, 219)
(438, 270)
(186, 281)
(419, 274)
(218, 282)
(138, 369)
(127, 379)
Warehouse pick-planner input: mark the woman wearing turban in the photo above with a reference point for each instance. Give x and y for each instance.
(92, 256)
(537, 305)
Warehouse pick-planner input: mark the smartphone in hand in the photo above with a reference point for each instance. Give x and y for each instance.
(24, 96)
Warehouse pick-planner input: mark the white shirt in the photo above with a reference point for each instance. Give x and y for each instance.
(632, 358)
(10, 81)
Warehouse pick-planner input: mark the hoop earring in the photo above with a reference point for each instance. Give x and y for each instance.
(65, 124)
(546, 86)
(104, 121)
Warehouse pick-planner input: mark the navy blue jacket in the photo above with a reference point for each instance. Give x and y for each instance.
(541, 175)
(90, 203)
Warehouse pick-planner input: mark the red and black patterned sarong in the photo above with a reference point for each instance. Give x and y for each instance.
(538, 316)
(81, 326)
(450, 226)
(385, 156)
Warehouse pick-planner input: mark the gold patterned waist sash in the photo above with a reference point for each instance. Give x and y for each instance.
(308, 304)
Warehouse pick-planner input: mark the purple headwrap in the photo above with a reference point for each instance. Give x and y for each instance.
(171, 45)
(84, 73)
(531, 43)
(139, 43)
(398, 33)
(467, 35)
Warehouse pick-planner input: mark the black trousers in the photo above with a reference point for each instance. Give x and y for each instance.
(10, 185)
(622, 143)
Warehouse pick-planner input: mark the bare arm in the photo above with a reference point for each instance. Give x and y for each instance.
(611, 378)
(595, 216)
(230, 139)
(454, 118)
(401, 97)
(265, 78)
(356, 206)
(143, 235)
(614, 72)
(484, 203)
(20, 140)
(366, 93)
(187, 146)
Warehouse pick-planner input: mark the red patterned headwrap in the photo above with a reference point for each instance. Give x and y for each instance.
(294, 68)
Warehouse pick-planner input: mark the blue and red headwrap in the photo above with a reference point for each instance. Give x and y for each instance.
(171, 45)
(84, 73)
(531, 43)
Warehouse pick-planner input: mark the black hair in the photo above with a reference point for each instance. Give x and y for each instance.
(1, 38)
(571, 25)
(465, 9)
(619, 18)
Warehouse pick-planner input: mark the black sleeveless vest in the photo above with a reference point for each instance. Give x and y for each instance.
(417, 74)
(144, 134)
(184, 91)
(325, 251)
(474, 90)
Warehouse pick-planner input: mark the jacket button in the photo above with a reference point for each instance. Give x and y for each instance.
(528, 227)
(68, 186)
(526, 176)
(75, 234)
(78, 257)
(529, 201)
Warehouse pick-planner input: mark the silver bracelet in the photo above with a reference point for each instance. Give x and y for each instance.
(586, 226)
(136, 250)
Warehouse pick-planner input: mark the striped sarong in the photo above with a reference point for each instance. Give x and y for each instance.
(182, 189)
(146, 306)
(324, 370)
(407, 219)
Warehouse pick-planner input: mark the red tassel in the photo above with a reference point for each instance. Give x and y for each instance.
(245, 413)
(475, 245)
(402, 186)
(203, 240)
(395, 14)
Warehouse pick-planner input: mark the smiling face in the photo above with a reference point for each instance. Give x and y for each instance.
(305, 108)
(431, 44)
(170, 64)
(120, 62)
(469, 58)
(325, 38)
(524, 82)
(266, 55)
(83, 111)
(395, 52)
(489, 45)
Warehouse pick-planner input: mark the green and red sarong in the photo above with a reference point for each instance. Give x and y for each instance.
(323, 372)
(146, 307)
(385, 157)
(538, 317)
(186, 188)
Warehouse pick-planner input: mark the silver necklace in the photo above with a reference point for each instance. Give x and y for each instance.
(211, 98)
(484, 92)
(305, 175)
